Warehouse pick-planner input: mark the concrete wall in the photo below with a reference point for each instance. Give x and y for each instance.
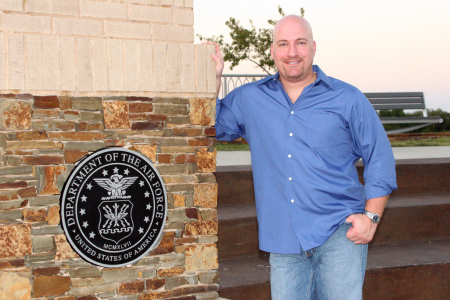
(79, 75)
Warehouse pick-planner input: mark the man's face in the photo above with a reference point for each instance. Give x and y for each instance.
(293, 50)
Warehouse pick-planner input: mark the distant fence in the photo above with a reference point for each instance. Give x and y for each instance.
(230, 82)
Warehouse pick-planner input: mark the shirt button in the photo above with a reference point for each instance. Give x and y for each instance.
(290, 178)
(292, 112)
(291, 134)
(292, 200)
(289, 156)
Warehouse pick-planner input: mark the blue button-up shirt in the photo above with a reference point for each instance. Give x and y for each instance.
(304, 156)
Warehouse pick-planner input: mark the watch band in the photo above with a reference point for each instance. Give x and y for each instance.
(372, 216)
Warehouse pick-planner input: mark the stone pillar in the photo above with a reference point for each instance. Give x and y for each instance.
(80, 75)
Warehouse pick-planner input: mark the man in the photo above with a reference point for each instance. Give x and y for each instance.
(306, 131)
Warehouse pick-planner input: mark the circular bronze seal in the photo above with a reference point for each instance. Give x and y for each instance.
(113, 207)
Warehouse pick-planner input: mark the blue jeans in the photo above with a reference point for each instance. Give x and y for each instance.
(334, 270)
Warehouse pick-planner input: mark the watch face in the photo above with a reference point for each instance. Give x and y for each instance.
(376, 219)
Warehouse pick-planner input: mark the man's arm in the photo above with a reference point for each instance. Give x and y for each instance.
(379, 166)
(229, 121)
(363, 230)
(218, 58)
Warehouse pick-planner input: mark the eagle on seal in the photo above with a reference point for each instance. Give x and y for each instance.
(116, 185)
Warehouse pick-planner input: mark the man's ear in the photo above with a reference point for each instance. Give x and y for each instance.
(271, 49)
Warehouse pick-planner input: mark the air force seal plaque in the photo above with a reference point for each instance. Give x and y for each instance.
(113, 207)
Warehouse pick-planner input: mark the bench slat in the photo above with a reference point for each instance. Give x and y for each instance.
(384, 95)
(398, 106)
(396, 100)
(409, 120)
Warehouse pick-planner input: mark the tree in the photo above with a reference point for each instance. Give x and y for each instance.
(248, 44)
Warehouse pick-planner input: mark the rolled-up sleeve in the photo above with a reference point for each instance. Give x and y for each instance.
(229, 118)
(372, 143)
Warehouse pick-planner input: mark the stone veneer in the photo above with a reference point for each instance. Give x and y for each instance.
(42, 137)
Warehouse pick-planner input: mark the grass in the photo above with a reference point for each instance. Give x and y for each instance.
(443, 141)
(232, 147)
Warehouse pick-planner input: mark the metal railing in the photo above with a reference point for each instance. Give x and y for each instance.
(230, 81)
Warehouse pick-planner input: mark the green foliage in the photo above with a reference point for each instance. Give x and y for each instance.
(248, 44)
(392, 113)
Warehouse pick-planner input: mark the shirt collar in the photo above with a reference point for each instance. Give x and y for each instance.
(264, 80)
(321, 76)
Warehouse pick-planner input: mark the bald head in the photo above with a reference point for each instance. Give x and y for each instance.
(292, 21)
(293, 50)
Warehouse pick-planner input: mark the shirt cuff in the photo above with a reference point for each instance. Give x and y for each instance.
(379, 189)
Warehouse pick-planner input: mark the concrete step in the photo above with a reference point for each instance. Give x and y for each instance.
(416, 176)
(235, 185)
(406, 218)
(414, 218)
(238, 231)
(409, 270)
(422, 176)
(245, 277)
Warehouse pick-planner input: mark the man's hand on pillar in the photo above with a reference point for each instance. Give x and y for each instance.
(218, 58)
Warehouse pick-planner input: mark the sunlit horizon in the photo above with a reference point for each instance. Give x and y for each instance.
(382, 46)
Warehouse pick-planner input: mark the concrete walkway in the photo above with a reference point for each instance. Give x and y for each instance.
(243, 158)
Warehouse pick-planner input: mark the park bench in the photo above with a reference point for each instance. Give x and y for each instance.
(412, 100)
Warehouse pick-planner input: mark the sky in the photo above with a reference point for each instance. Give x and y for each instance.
(377, 46)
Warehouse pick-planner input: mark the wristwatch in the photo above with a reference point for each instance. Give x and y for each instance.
(373, 217)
